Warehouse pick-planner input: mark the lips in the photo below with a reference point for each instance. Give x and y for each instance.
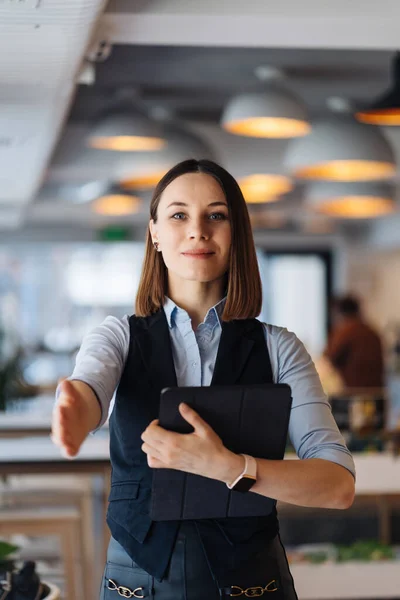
(199, 252)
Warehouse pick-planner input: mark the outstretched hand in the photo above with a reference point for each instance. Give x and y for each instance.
(69, 420)
(200, 452)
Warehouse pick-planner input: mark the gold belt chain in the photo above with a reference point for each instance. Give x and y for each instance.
(123, 591)
(254, 592)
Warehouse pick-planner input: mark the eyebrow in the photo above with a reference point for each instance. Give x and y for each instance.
(218, 203)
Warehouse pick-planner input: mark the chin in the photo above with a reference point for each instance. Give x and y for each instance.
(202, 277)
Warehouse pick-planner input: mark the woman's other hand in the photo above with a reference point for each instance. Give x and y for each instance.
(200, 452)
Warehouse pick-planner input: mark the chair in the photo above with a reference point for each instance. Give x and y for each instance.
(63, 522)
(38, 491)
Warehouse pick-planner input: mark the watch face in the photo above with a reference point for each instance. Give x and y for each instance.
(244, 484)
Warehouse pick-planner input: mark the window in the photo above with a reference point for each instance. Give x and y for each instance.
(296, 288)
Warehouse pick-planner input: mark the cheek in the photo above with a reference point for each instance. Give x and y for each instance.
(171, 243)
(170, 234)
(226, 241)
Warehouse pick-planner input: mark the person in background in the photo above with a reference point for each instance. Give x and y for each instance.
(354, 348)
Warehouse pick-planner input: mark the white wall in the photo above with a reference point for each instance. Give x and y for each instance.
(374, 275)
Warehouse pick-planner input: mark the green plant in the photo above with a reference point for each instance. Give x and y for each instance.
(12, 383)
(365, 550)
(6, 551)
(10, 373)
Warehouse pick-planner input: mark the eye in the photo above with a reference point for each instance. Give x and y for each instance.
(178, 216)
(218, 216)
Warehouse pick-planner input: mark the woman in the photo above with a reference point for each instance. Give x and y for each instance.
(200, 278)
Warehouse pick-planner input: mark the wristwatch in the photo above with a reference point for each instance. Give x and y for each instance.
(247, 478)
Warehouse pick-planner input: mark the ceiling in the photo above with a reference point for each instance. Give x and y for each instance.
(152, 59)
(195, 83)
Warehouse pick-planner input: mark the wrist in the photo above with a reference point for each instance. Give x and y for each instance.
(232, 466)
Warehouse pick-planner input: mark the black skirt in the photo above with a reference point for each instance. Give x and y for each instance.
(189, 576)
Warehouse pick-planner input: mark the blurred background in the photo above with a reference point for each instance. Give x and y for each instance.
(300, 101)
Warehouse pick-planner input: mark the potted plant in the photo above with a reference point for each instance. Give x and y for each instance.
(22, 584)
(12, 383)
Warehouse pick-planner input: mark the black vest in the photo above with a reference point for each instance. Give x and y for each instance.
(242, 358)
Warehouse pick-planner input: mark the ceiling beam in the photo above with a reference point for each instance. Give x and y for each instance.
(344, 31)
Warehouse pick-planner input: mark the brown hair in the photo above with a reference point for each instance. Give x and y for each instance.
(243, 290)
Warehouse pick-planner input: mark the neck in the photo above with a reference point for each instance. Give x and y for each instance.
(196, 297)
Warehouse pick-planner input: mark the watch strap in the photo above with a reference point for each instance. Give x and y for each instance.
(247, 477)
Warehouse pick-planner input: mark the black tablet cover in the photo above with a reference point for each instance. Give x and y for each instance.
(249, 419)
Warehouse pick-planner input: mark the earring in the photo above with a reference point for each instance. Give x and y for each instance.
(156, 245)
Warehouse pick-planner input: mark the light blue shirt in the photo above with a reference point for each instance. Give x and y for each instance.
(312, 429)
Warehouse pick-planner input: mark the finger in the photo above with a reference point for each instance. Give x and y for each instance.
(68, 452)
(151, 451)
(63, 431)
(157, 435)
(66, 388)
(192, 417)
(155, 463)
(68, 449)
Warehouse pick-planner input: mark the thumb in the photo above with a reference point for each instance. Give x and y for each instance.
(194, 419)
(65, 387)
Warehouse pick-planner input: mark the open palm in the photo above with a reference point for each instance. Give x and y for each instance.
(69, 422)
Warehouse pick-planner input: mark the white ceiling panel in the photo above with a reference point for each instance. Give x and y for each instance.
(42, 44)
(41, 56)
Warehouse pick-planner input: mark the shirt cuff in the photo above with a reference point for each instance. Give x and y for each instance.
(341, 458)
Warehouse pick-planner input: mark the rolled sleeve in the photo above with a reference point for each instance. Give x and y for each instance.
(313, 430)
(101, 359)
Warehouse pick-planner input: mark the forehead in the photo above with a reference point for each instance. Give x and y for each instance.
(193, 187)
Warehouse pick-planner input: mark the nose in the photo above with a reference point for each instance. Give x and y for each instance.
(198, 230)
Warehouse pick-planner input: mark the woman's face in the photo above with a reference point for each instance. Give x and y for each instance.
(193, 228)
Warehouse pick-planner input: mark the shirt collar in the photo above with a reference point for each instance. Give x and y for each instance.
(214, 314)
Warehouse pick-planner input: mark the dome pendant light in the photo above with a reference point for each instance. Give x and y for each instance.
(264, 187)
(256, 165)
(340, 148)
(386, 109)
(126, 127)
(359, 200)
(274, 113)
(116, 204)
(143, 171)
(127, 132)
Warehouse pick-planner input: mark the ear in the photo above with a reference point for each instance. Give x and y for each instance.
(153, 231)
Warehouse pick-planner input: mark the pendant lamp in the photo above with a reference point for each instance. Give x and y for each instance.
(127, 131)
(144, 170)
(256, 165)
(260, 188)
(340, 148)
(116, 204)
(274, 113)
(355, 200)
(386, 109)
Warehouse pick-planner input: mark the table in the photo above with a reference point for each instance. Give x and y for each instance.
(21, 425)
(38, 455)
(31, 417)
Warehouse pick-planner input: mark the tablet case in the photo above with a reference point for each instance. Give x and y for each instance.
(250, 420)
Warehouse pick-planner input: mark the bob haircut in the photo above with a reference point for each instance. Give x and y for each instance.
(243, 283)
